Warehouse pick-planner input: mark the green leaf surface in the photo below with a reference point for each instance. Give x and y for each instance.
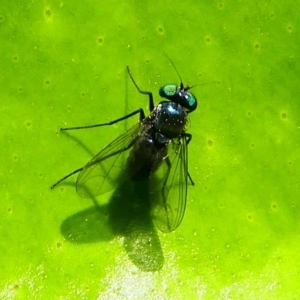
(64, 64)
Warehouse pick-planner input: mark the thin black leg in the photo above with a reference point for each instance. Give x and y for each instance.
(188, 137)
(140, 111)
(142, 116)
(62, 179)
(190, 178)
(169, 165)
(151, 102)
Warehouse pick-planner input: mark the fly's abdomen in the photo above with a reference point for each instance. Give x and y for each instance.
(144, 158)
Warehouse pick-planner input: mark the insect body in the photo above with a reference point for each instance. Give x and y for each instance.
(155, 149)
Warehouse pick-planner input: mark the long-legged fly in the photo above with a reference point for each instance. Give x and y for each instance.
(155, 149)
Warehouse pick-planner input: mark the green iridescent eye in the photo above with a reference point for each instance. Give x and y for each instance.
(168, 90)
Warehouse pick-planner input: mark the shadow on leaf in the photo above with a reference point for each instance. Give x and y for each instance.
(127, 214)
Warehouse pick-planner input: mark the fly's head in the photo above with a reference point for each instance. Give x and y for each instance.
(179, 94)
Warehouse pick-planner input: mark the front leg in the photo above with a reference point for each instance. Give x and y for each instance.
(151, 102)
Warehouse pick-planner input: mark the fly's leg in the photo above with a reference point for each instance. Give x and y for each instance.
(138, 111)
(188, 137)
(169, 165)
(141, 117)
(151, 102)
(65, 177)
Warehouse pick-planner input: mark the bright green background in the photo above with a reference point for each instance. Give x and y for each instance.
(63, 64)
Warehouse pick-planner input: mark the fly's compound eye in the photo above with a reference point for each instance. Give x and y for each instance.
(168, 91)
(189, 101)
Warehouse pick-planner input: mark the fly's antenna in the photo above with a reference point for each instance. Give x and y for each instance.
(182, 87)
(181, 83)
(188, 87)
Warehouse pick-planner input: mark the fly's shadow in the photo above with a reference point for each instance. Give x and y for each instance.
(127, 214)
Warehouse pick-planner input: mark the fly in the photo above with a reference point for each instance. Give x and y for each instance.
(155, 149)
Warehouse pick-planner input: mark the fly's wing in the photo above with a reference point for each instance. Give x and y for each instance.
(169, 187)
(108, 167)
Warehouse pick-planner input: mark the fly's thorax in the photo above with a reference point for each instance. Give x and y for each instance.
(169, 119)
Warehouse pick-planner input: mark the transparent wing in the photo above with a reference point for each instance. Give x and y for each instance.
(107, 168)
(169, 187)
